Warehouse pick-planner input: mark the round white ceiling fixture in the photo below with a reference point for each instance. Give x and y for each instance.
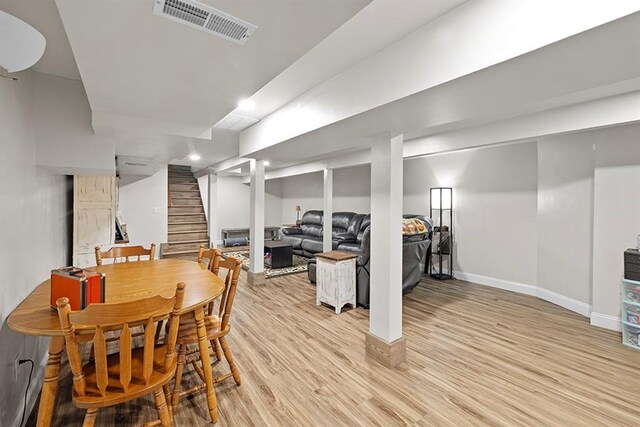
(21, 45)
(194, 157)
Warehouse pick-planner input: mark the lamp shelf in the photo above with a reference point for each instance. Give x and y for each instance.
(441, 213)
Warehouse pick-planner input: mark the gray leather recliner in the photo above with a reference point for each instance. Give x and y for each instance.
(414, 255)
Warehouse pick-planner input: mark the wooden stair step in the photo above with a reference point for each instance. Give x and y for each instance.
(183, 195)
(193, 201)
(188, 224)
(192, 186)
(198, 236)
(191, 241)
(194, 209)
(185, 214)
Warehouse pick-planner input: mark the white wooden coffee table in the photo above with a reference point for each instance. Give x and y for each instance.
(336, 279)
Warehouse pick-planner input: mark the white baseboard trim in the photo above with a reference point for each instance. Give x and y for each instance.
(545, 294)
(564, 301)
(606, 321)
(507, 285)
(33, 392)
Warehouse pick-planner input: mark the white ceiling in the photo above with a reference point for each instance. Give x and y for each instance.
(578, 69)
(134, 63)
(176, 150)
(43, 15)
(351, 43)
(138, 66)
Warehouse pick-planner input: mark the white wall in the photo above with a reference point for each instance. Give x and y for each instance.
(233, 202)
(36, 214)
(65, 140)
(139, 197)
(494, 195)
(616, 216)
(351, 192)
(565, 216)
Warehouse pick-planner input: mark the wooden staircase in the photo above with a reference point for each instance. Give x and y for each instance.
(187, 221)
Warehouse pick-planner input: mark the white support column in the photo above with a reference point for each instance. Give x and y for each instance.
(328, 210)
(212, 209)
(384, 340)
(255, 275)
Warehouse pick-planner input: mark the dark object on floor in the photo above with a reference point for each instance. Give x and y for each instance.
(299, 264)
(280, 254)
(632, 264)
(236, 241)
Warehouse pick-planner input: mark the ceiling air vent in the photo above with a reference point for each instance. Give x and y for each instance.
(235, 122)
(205, 18)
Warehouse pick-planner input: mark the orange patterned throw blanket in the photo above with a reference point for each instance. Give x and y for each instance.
(413, 226)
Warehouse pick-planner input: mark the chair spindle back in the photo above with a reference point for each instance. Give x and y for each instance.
(233, 267)
(120, 316)
(123, 253)
(213, 255)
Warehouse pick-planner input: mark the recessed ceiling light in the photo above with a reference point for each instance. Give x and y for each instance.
(247, 105)
(194, 157)
(266, 163)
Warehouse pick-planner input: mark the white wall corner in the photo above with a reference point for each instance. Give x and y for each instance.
(522, 288)
(564, 301)
(606, 321)
(506, 285)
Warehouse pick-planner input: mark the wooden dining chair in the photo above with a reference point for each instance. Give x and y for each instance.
(218, 328)
(212, 255)
(108, 380)
(123, 253)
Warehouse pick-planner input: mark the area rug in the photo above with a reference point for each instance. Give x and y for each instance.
(299, 264)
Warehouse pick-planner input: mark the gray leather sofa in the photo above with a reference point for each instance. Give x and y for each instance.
(351, 233)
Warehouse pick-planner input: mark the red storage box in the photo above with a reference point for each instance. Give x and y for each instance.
(82, 287)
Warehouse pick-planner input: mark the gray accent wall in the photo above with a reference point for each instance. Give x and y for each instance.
(35, 208)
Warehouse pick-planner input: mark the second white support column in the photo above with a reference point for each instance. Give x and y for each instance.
(212, 209)
(384, 341)
(327, 225)
(255, 275)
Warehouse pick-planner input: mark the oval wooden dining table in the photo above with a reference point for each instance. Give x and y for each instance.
(126, 281)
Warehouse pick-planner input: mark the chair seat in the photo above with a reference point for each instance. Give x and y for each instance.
(188, 334)
(137, 387)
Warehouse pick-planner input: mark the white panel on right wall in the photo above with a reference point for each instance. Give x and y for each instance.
(616, 217)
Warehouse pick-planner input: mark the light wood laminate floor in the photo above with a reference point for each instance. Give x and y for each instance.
(476, 356)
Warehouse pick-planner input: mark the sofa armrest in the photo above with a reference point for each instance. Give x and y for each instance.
(344, 238)
(290, 230)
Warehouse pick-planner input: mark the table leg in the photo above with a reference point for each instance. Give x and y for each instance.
(50, 384)
(205, 358)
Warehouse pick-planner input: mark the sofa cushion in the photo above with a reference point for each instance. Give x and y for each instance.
(312, 230)
(349, 247)
(344, 238)
(291, 230)
(354, 224)
(312, 244)
(366, 222)
(312, 217)
(340, 222)
(295, 240)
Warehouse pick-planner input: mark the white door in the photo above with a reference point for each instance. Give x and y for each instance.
(94, 216)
